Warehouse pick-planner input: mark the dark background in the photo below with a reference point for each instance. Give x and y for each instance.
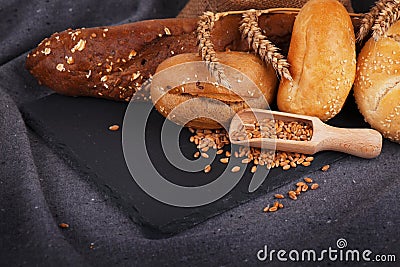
(358, 199)
(362, 5)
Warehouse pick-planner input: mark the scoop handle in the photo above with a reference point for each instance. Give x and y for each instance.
(364, 143)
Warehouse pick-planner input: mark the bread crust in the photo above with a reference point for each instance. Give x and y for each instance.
(261, 74)
(322, 56)
(106, 67)
(377, 85)
(113, 62)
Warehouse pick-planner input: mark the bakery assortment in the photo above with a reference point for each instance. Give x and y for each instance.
(114, 62)
(322, 58)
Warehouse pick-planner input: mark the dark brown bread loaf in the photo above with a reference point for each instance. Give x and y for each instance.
(113, 62)
(109, 62)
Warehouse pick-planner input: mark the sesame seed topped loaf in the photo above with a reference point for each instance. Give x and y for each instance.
(322, 56)
(113, 62)
(377, 85)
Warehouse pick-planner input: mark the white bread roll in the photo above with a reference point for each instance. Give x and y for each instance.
(322, 56)
(262, 76)
(377, 85)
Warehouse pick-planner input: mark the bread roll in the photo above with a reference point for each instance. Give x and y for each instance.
(377, 85)
(322, 56)
(258, 94)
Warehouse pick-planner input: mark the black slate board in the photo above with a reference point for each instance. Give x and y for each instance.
(78, 129)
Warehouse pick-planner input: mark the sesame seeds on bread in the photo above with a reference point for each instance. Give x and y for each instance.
(377, 85)
(322, 56)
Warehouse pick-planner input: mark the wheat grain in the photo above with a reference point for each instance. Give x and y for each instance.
(325, 168)
(114, 127)
(314, 186)
(235, 169)
(259, 157)
(267, 51)
(207, 168)
(308, 180)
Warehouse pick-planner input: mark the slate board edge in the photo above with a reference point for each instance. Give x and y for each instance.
(74, 162)
(149, 230)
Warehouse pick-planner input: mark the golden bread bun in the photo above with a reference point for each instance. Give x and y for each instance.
(227, 102)
(322, 57)
(377, 85)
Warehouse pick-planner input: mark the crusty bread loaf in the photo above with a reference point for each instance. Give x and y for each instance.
(257, 91)
(113, 62)
(323, 61)
(108, 62)
(377, 85)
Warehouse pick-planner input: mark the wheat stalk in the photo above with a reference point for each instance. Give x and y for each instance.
(368, 21)
(373, 19)
(386, 17)
(206, 48)
(265, 49)
(261, 45)
(281, 10)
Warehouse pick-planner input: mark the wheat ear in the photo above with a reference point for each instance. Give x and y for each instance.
(388, 15)
(261, 45)
(370, 19)
(206, 48)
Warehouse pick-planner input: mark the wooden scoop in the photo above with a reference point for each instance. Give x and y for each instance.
(365, 143)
